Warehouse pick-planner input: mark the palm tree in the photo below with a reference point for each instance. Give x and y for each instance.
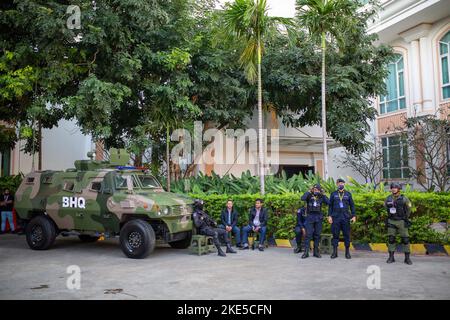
(326, 19)
(248, 22)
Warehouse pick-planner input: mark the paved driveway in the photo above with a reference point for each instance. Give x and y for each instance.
(175, 274)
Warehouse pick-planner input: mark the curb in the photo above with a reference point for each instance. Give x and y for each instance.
(416, 248)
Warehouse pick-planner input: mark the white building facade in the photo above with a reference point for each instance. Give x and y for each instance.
(418, 81)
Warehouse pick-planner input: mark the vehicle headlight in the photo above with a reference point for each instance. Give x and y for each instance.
(165, 211)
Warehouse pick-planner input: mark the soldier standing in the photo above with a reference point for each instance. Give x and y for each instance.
(208, 227)
(341, 212)
(314, 217)
(399, 209)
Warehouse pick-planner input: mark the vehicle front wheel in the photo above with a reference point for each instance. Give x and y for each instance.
(87, 238)
(182, 244)
(137, 239)
(40, 233)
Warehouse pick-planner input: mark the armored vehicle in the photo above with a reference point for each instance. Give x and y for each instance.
(99, 199)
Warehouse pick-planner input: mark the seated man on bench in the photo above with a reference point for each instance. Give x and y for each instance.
(229, 219)
(208, 227)
(257, 223)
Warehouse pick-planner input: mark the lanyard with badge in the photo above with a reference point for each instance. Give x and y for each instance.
(393, 209)
(341, 204)
(315, 201)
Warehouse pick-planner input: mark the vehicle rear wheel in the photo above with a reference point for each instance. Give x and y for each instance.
(40, 233)
(87, 238)
(182, 244)
(137, 239)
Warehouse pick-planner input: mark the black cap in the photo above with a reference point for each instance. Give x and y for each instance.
(340, 180)
(396, 185)
(317, 186)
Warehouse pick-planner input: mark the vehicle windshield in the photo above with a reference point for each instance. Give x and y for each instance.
(121, 181)
(149, 182)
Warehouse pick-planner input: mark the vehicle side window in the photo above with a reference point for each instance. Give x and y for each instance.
(48, 180)
(96, 186)
(68, 185)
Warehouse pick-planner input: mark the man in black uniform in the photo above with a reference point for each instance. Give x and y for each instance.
(313, 223)
(341, 212)
(300, 229)
(208, 227)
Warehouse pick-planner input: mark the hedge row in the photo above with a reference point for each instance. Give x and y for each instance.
(427, 208)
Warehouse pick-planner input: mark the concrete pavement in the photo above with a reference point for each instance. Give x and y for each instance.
(276, 273)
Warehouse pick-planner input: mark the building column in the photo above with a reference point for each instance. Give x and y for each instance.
(427, 74)
(421, 71)
(415, 72)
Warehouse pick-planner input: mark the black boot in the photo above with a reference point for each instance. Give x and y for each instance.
(407, 259)
(230, 249)
(306, 253)
(298, 249)
(316, 252)
(220, 252)
(347, 253)
(334, 254)
(391, 257)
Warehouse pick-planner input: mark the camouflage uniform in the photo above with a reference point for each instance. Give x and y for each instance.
(399, 209)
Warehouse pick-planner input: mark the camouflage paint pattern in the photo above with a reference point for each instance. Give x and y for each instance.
(69, 199)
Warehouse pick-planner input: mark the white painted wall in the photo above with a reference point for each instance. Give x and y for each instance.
(61, 146)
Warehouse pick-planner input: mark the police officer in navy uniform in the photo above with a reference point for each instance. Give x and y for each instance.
(341, 212)
(399, 209)
(208, 227)
(300, 230)
(314, 217)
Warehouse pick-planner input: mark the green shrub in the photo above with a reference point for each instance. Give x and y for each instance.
(427, 208)
(202, 184)
(10, 182)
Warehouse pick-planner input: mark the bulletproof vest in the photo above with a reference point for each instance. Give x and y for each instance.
(399, 206)
(314, 204)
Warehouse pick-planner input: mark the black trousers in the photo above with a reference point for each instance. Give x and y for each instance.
(215, 233)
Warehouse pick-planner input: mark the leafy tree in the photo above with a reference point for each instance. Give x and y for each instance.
(249, 22)
(355, 74)
(429, 139)
(326, 18)
(368, 164)
(38, 65)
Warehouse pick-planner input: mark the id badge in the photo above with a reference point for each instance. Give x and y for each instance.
(393, 210)
(341, 204)
(315, 204)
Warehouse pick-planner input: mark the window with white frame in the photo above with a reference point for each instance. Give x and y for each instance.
(395, 158)
(444, 48)
(395, 87)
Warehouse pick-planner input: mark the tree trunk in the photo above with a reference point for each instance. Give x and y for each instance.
(260, 124)
(33, 152)
(40, 146)
(138, 160)
(324, 112)
(168, 158)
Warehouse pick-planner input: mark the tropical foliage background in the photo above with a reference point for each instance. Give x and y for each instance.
(370, 227)
(246, 183)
